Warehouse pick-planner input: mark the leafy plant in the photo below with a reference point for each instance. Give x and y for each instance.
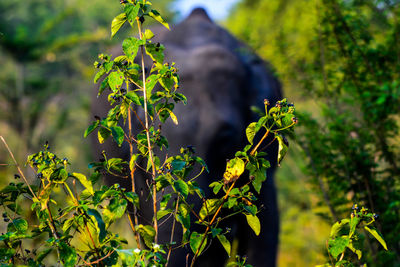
(77, 231)
(346, 241)
(345, 56)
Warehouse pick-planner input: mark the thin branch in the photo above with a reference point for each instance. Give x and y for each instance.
(148, 134)
(18, 168)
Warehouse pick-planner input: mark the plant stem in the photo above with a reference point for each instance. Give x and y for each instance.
(253, 151)
(155, 224)
(172, 232)
(137, 237)
(210, 224)
(18, 168)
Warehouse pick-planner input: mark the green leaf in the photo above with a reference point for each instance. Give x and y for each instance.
(210, 206)
(355, 250)
(259, 176)
(155, 15)
(216, 187)
(181, 187)
(162, 213)
(338, 226)
(131, 12)
(156, 52)
(133, 198)
(282, 148)
(84, 181)
(148, 233)
(195, 240)
(178, 164)
(131, 95)
(100, 223)
(250, 132)
(336, 246)
(68, 254)
(353, 224)
(173, 117)
(103, 86)
(377, 236)
(232, 201)
(118, 134)
(148, 34)
(91, 128)
(215, 231)
(18, 225)
(67, 224)
(254, 223)
(103, 134)
(151, 81)
(133, 161)
(115, 80)
(131, 47)
(234, 168)
(117, 23)
(164, 201)
(225, 243)
(183, 215)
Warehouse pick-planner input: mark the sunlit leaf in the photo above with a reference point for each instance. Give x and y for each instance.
(254, 223)
(225, 243)
(195, 241)
(377, 235)
(117, 23)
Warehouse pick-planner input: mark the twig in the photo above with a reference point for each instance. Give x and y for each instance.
(155, 225)
(18, 168)
(172, 232)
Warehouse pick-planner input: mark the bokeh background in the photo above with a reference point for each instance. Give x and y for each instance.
(47, 50)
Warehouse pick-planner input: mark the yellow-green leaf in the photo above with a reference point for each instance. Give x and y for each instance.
(250, 132)
(234, 168)
(225, 243)
(84, 181)
(377, 236)
(282, 148)
(254, 223)
(117, 23)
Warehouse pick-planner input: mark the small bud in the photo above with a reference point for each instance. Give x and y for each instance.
(376, 216)
(6, 219)
(16, 176)
(266, 102)
(295, 120)
(141, 19)
(355, 207)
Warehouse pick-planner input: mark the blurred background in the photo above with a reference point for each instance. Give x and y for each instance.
(338, 61)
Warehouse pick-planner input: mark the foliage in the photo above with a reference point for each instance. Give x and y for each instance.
(347, 236)
(77, 231)
(345, 56)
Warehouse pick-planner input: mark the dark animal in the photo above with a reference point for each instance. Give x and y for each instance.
(222, 79)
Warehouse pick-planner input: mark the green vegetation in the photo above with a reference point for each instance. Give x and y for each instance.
(77, 231)
(339, 60)
(344, 54)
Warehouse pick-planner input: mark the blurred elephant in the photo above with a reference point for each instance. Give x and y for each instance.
(221, 79)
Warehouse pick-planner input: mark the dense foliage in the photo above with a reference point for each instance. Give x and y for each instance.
(77, 231)
(345, 56)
